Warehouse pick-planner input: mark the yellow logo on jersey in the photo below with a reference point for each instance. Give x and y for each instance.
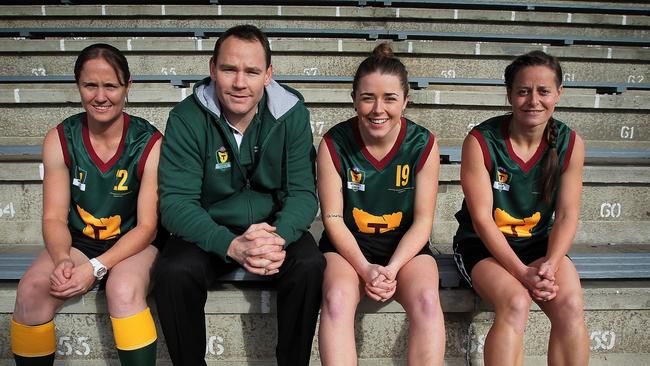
(501, 182)
(356, 178)
(510, 226)
(370, 224)
(102, 228)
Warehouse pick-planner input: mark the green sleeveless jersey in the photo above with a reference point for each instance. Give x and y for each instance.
(378, 196)
(517, 208)
(104, 195)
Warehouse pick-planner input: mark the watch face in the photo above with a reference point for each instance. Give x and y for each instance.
(101, 272)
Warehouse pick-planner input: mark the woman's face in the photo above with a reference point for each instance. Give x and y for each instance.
(533, 95)
(379, 101)
(102, 95)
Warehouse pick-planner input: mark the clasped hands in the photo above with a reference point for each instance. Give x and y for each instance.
(68, 280)
(380, 282)
(259, 250)
(540, 282)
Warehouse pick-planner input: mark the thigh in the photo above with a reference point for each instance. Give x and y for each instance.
(135, 270)
(496, 285)
(43, 264)
(417, 276)
(341, 277)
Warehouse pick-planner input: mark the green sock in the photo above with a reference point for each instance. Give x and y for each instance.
(145, 356)
(34, 361)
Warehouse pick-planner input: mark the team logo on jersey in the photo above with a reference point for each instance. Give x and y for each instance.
(101, 228)
(511, 226)
(79, 179)
(501, 182)
(223, 159)
(371, 224)
(356, 179)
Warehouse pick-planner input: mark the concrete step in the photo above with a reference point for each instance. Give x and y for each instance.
(339, 94)
(241, 327)
(480, 20)
(600, 128)
(614, 205)
(343, 64)
(326, 12)
(325, 46)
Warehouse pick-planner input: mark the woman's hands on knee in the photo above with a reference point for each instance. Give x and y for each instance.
(81, 279)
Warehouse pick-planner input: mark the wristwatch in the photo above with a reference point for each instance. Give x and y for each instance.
(99, 270)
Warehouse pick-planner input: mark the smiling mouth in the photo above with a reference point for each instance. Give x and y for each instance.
(102, 108)
(377, 121)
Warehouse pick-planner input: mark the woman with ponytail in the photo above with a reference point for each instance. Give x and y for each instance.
(377, 184)
(521, 174)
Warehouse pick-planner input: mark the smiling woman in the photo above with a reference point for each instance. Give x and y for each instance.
(99, 217)
(379, 245)
(103, 93)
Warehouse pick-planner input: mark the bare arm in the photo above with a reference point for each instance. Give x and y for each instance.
(567, 211)
(331, 200)
(56, 201)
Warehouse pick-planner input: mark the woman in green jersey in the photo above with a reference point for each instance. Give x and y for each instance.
(100, 198)
(377, 184)
(521, 174)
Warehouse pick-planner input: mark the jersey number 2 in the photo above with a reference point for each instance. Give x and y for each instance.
(123, 174)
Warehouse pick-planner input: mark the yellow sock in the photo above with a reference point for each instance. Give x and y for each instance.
(135, 331)
(33, 340)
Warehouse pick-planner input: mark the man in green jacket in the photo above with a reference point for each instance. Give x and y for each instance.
(237, 189)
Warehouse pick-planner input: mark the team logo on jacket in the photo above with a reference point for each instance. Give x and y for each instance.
(502, 179)
(356, 179)
(223, 159)
(372, 224)
(79, 179)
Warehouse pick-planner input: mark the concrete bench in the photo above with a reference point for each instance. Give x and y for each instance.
(600, 265)
(241, 327)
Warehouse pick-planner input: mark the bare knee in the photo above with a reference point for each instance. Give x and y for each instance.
(570, 313)
(34, 305)
(425, 304)
(514, 310)
(339, 303)
(124, 294)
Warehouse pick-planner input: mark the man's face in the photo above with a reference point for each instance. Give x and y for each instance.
(240, 75)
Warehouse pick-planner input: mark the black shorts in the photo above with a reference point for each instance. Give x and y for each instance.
(378, 249)
(468, 252)
(92, 248)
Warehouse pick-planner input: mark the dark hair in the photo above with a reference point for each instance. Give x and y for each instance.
(550, 165)
(110, 54)
(382, 61)
(246, 32)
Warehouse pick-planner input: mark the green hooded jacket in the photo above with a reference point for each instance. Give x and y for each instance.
(211, 191)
